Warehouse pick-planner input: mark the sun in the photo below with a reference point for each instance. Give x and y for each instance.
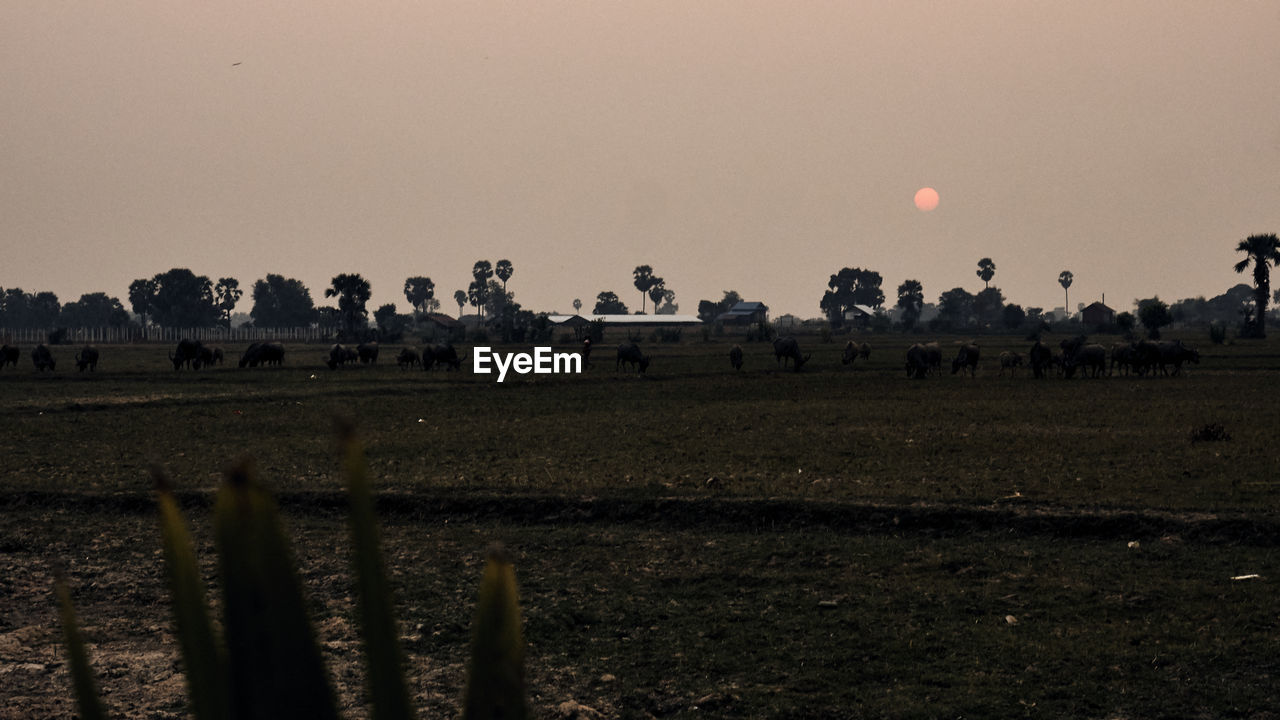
(926, 199)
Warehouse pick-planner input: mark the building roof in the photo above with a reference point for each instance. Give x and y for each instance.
(632, 320)
(443, 320)
(860, 310)
(748, 307)
(1098, 306)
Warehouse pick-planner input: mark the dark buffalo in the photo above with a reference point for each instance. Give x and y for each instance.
(271, 353)
(854, 350)
(339, 355)
(1175, 353)
(367, 352)
(629, 353)
(408, 358)
(9, 354)
(787, 349)
(1146, 357)
(966, 358)
(1091, 357)
(918, 361)
(735, 357)
(87, 358)
(1010, 361)
(1040, 358)
(443, 353)
(187, 353)
(1122, 356)
(42, 358)
(205, 356)
(217, 356)
(933, 356)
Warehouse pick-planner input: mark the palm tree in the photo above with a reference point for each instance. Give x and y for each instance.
(1260, 250)
(352, 292)
(656, 292)
(460, 297)
(644, 281)
(1064, 279)
(911, 300)
(419, 291)
(504, 270)
(986, 271)
(577, 305)
(227, 293)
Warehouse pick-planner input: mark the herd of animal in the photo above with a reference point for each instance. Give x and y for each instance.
(922, 359)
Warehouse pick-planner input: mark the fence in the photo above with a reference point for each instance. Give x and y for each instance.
(113, 335)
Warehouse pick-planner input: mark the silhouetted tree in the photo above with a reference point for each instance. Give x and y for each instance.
(657, 290)
(1263, 251)
(94, 310)
(669, 306)
(383, 316)
(849, 287)
(986, 271)
(911, 301)
(1013, 316)
(460, 297)
(478, 295)
(282, 302)
(988, 305)
(504, 271)
(142, 294)
(643, 281)
(1154, 314)
(419, 291)
(226, 294)
(955, 308)
(482, 271)
(577, 305)
(607, 303)
(1065, 279)
(1125, 321)
(183, 299)
(708, 310)
(353, 293)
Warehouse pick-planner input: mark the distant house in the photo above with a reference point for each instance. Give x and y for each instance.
(859, 315)
(1098, 314)
(744, 313)
(436, 326)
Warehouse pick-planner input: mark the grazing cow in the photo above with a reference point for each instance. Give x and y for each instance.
(966, 358)
(42, 358)
(1091, 357)
(367, 352)
(204, 356)
(1040, 357)
(735, 357)
(933, 356)
(339, 355)
(853, 351)
(1010, 361)
(87, 358)
(443, 353)
(787, 349)
(630, 354)
(1175, 353)
(917, 361)
(1146, 357)
(408, 358)
(271, 353)
(9, 354)
(217, 356)
(1122, 355)
(186, 354)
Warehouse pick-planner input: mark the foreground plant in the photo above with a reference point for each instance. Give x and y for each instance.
(265, 662)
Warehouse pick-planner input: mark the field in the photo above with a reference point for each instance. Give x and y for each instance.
(697, 542)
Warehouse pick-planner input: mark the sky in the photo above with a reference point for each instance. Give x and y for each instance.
(731, 145)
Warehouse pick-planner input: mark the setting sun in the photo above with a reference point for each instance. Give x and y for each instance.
(926, 199)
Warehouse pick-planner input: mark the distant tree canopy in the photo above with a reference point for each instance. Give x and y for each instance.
(849, 287)
(955, 309)
(645, 280)
(1013, 316)
(986, 271)
(94, 310)
(353, 293)
(282, 302)
(607, 303)
(1263, 251)
(708, 310)
(1154, 314)
(911, 302)
(176, 299)
(420, 291)
(19, 309)
(226, 294)
(988, 306)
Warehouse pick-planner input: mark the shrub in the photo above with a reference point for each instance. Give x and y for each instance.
(264, 662)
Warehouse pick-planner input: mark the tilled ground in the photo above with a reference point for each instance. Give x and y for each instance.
(705, 608)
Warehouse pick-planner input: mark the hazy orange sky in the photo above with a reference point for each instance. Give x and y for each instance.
(737, 145)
